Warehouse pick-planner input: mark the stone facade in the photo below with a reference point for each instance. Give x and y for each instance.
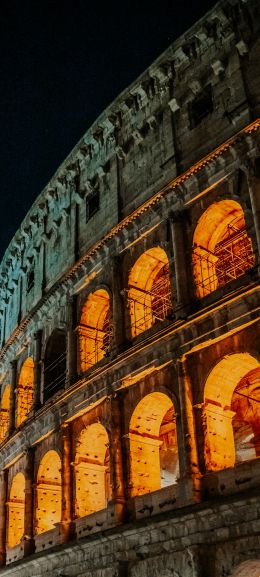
(130, 358)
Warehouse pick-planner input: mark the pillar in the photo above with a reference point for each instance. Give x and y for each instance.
(253, 176)
(29, 502)
(189, 464)
(37, 369)
(66, 480)
(71, 358)
(13, 396)
(118, 305)
(118, 490)
(3, 517)
(177, 224)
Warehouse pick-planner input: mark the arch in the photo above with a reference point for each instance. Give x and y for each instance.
(95, 329)
(248, 568)
(224, 380)
(222, 249)
(15, 511)
(54, 363)
(92, 470)
(48, 493)
(149, 290)
(5, 413)
(25, 391)
(153, 444)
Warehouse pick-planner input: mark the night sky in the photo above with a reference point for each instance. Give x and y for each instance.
(62, 62)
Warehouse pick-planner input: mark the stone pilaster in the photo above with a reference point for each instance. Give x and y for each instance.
(3, 517)
(66, 479)
(118, 306)
(71, 369)
(13, 385)
(118, 489)
(37, 369)
(189, 460)
(29, 502)
(177, 224)
(253, 176)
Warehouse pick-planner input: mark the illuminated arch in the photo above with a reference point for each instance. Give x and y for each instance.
(149, 291)
(54, 363)
(248, 569)
(25, 391)
(48, 492)
(222, 249)
(92, 470)
(5, 413)
(16, 509)
(153, 445)
(224, 380)
(94, 329)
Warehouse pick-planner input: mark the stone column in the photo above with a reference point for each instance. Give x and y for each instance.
(13, 385)
(177, 224)
(3, 516)
(189, 460)
(66, 480)
(118, 312)
(253, 176)
(118, 489)
(71, 369)
(37, 369)
(29, 502)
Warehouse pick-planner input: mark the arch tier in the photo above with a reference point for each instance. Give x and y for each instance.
(129, 330)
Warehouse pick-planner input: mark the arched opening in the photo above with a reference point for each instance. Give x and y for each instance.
(48, 493)
(5, 413)
(149, 290)
(55, 363)
(95, 329)
(232, 411)
(92, 470)
(249, 568)
(154, 461)
(25, 391)
(15, 512)
(222, 249)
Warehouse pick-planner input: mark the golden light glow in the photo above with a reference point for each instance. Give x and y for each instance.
(92, 470)
(48, 493)
(15, 511)
(94, 329)
(25, 391)
(153, 445)
(225, 413)
(222, 249)
(5, 413)
(149, 293)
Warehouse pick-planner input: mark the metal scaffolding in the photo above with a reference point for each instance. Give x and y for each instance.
(94, 343)
(148, 307)
(232, 257)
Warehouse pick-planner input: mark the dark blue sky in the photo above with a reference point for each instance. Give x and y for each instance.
(62, 62)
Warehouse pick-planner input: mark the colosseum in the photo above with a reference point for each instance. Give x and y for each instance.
(130, 357)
